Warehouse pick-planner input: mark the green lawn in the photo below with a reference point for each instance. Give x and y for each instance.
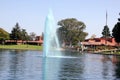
(22, 47)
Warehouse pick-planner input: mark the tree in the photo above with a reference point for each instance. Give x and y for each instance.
(16, 33)
(106, 32)
(3, 35)
(19, 34)
(32, 36)
(93, 36)
(71, 31)
(116, 31)
(24, 35)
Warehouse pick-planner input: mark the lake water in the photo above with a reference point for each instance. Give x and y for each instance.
(30, 65)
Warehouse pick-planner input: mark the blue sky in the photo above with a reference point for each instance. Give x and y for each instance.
(31, 14)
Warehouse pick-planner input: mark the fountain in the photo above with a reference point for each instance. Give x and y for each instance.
(51, 42)
(51, 46)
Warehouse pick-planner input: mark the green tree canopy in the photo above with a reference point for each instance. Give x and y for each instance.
(71, 31)
(3, 34)
(106, 32)
(24, 35)
(116, 32)
(18, 34)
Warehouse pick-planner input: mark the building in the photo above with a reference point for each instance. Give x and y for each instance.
(99, 42)
(38, 41)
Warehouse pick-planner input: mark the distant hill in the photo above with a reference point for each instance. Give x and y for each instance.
(4, 34)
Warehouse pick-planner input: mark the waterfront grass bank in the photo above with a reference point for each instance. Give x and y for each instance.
(22, 47)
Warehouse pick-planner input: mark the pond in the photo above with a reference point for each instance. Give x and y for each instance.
(30, 65)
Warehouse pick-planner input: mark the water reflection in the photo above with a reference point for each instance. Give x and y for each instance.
(20, 65)
(108, 68)
(117, 68)
(17, 65)
(30, 65)
(70, 69)
(51, 68)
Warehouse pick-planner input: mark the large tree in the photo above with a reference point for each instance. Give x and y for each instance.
(24, 35)
(106, 32)
(18, 34)
(116, 31)
(3, 35)
(71, 31)
(32, 36)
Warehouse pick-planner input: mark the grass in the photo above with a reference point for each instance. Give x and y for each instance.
(22, 47)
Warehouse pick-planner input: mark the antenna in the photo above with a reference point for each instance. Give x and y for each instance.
(106, 17)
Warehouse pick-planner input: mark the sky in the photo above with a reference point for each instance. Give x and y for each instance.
(31, 14)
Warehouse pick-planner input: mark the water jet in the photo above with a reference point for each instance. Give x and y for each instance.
(51, 42)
